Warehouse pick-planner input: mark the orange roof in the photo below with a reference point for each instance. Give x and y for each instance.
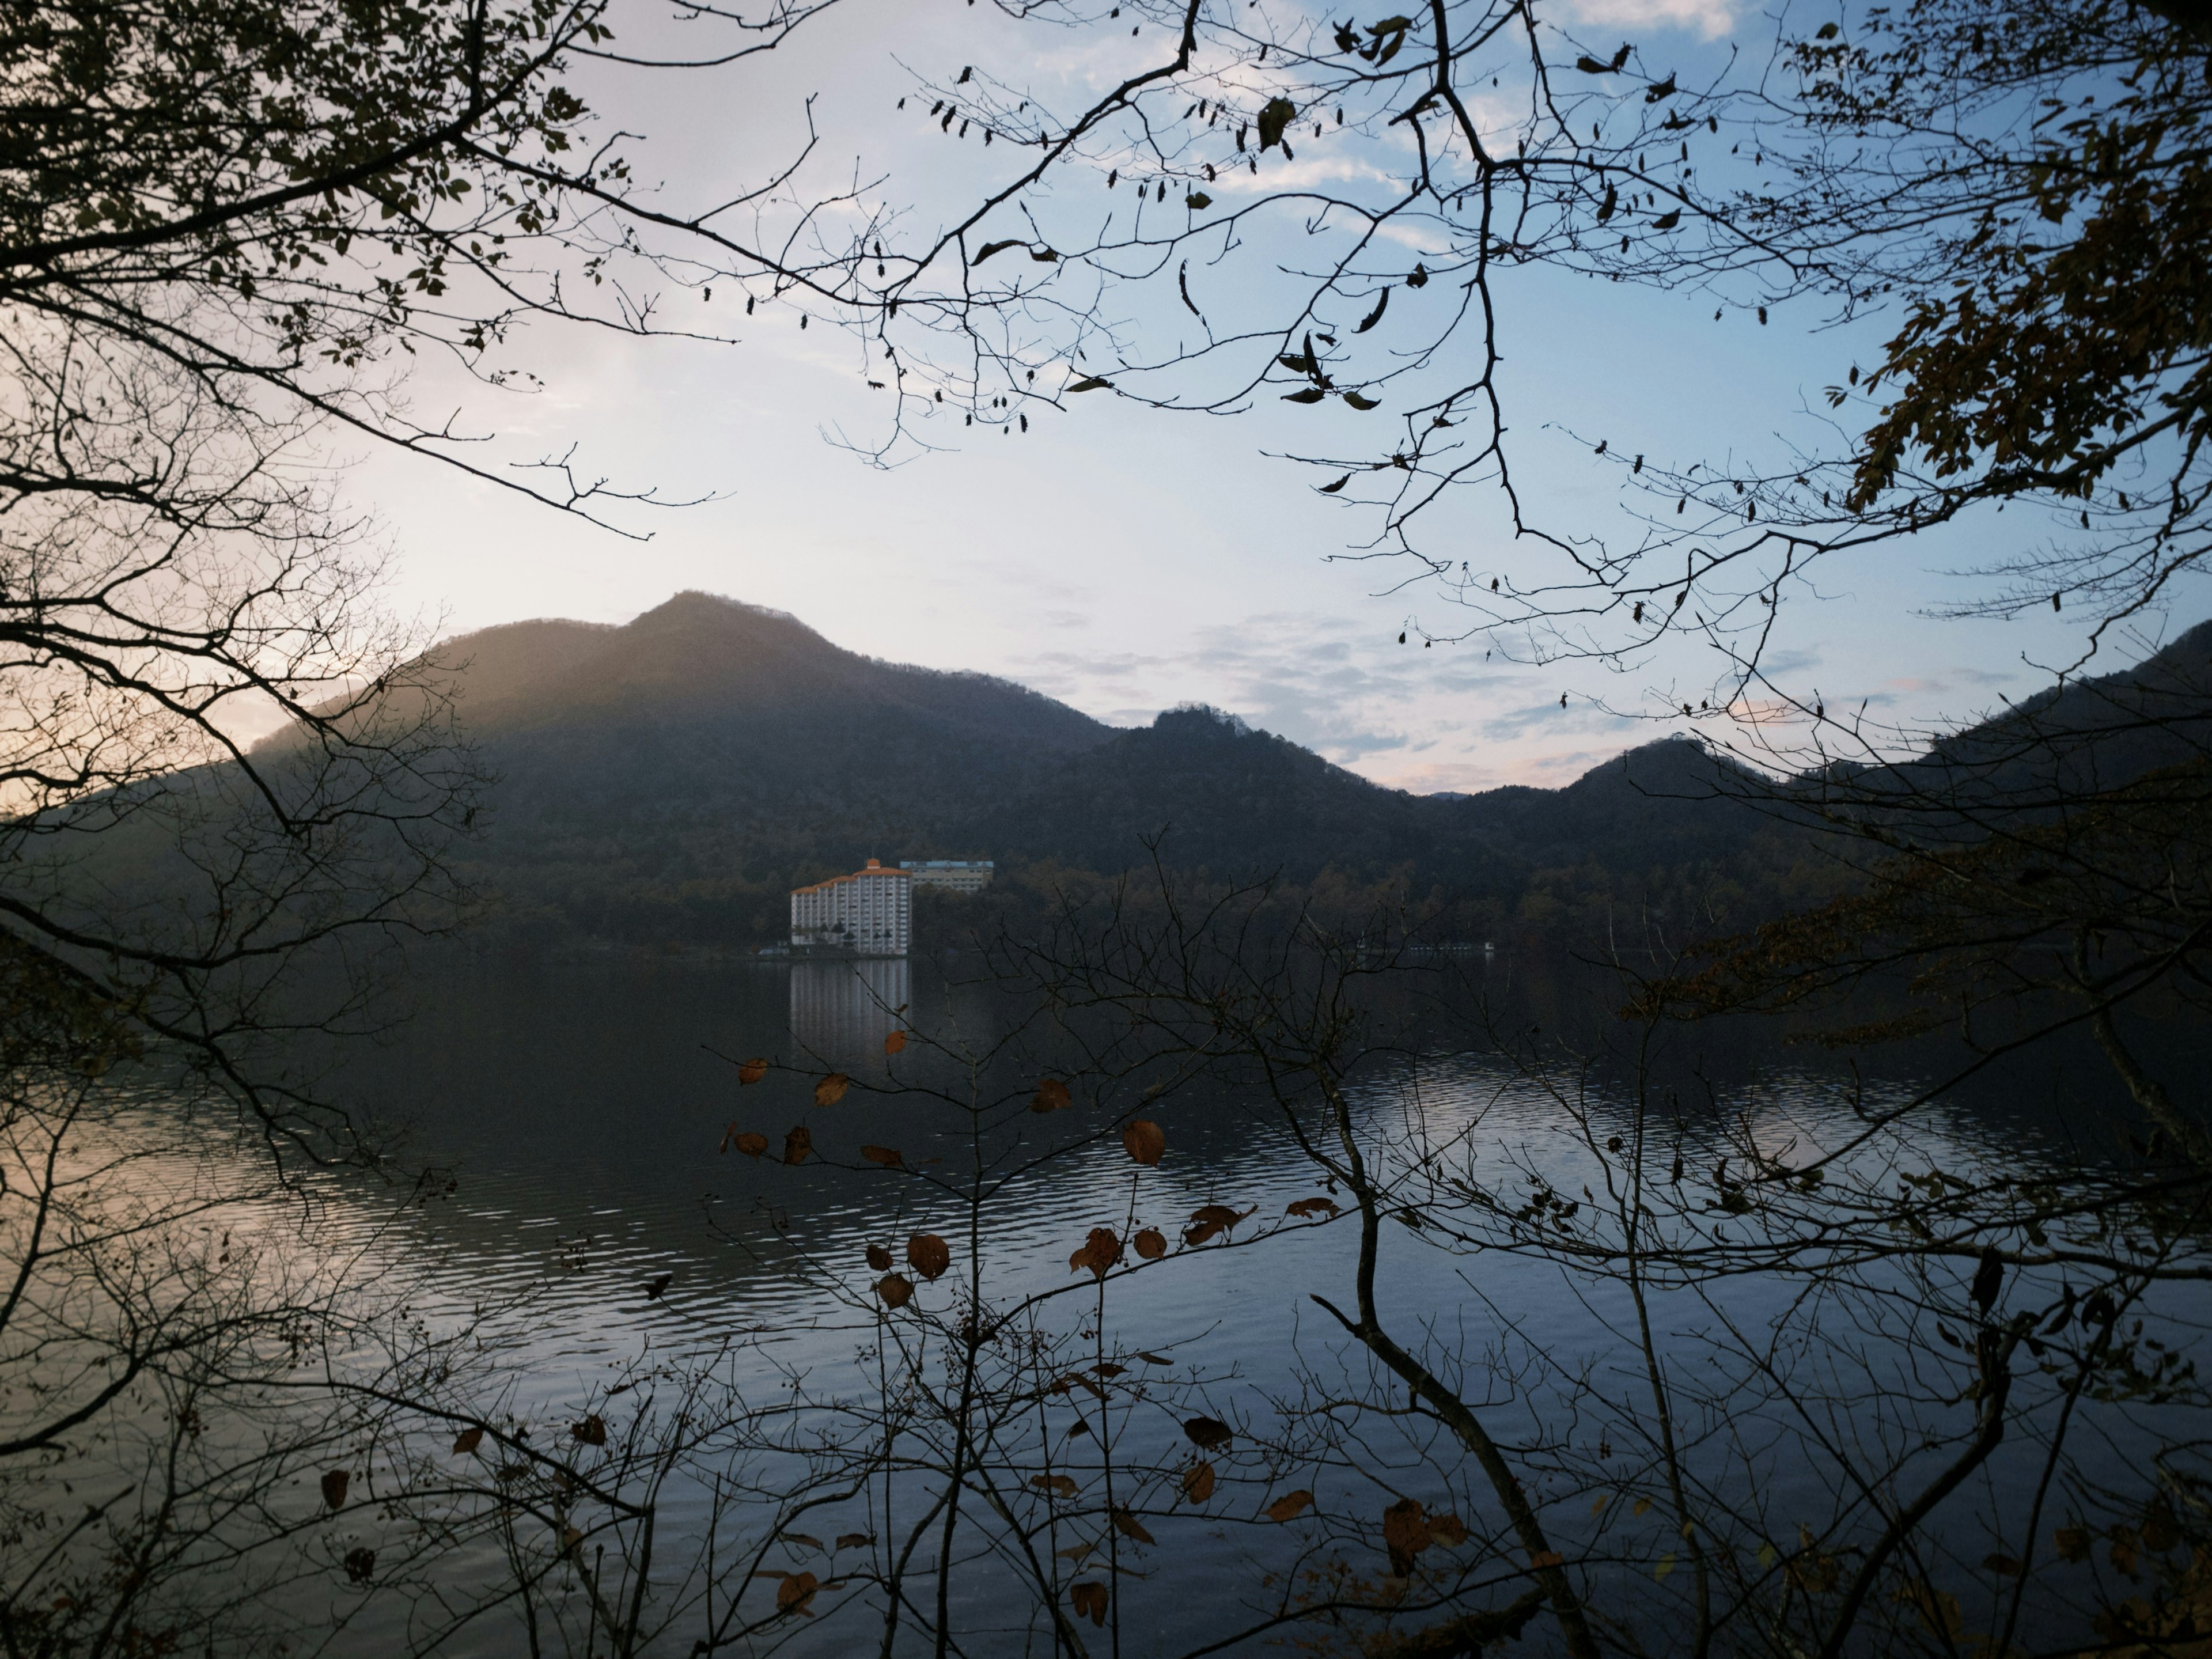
(874, 869)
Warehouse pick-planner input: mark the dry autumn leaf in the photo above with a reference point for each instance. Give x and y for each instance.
(854, 1541)
(1312, 1207)
(1107, 1368)
(1448, 1528)
(1219, 1215)
(592, 1431)
(878, 1258)
(887, 1156)
(1151, 1244)
(1543, 1558)
(792, 1595)
(1290, 1505)
(571, 1537)
(1100, 1251)
(797, 1144)
(1051, 1096)
(753, 1071)
(334, 1487)
(1152, 1358)
(831, 1089)
(467, 1440)
(928, 1254)
(1129, 1527)
(1075, 1379)
(1198, 1481)
(1145, 1141)
(751, 1145)
(895, 1042)
(896, 1288)
(1207, 1433)
(1406, 1533)
(1059, 1484)
(1089, 1601)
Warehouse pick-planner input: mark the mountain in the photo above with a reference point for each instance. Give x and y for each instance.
(671, 780)
(1238, 802)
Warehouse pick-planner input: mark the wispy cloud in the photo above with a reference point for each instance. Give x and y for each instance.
(1415, 718)
(1707, 19)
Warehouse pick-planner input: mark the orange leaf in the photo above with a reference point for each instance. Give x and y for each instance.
(1198, 1481)
(1129, 1527)
(1151, 1244)
(1448, 1528)
(887, 1156)
(796, 1145)
(1100, 1251)
(753, 1071)
(467, 1440)
(831, 1089)
(592, 1431)
(795, 1592)
(1198, 1235)
(753, 1146)
(1055, 1483)
(878, 1257)
(1207, 1433)
(928, 1254)
(895, 1042)
(854, 1541)
(334, 1487)
(1290, 1505)
(1051, 1096)
(1312, 1207)
(896, 1288)
(1144, 1140)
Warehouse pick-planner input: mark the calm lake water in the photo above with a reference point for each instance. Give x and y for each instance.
(580, 1111)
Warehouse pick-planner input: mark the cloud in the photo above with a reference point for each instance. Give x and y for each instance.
(1707, 19)
(1404, 716)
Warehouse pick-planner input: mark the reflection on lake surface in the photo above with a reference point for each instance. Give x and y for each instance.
(603, 1245)
(842, 1009)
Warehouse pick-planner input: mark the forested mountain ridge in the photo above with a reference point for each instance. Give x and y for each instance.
(668, 780)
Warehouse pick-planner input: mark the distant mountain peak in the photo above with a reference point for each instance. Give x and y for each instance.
(1201, 717)
(696, 604)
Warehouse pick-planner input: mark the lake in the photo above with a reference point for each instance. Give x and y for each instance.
(615, 1262)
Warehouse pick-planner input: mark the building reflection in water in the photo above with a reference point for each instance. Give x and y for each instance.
(842, 1009)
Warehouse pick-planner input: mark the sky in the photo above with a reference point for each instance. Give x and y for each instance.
(1123, 560)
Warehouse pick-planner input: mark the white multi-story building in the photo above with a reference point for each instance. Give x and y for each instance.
(961, 875)
(869, 913)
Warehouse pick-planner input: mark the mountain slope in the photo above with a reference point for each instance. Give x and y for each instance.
(672, 779)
